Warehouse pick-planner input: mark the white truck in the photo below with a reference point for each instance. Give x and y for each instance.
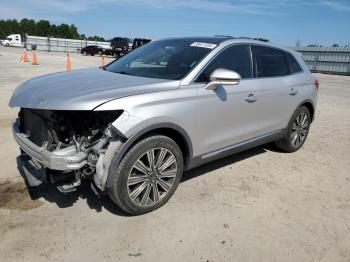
(13, 40)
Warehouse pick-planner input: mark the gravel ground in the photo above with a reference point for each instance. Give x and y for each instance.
(260, 205)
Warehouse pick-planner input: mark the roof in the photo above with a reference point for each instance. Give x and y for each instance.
(207, 39)
(218, 39)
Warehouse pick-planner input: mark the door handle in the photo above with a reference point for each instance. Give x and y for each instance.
(251, 98)
(293, 92)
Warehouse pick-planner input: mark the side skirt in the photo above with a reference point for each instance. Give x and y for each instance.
(235, 148)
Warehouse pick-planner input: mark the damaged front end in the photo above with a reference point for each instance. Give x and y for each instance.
(65, 147)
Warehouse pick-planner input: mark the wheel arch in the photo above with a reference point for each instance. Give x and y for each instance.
(173, 131)
(309, 105)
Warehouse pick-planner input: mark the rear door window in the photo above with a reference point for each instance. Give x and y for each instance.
(269, 62)
(235, 58)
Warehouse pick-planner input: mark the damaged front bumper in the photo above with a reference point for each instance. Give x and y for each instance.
(66, 159)
(37, 163)
(33, 164)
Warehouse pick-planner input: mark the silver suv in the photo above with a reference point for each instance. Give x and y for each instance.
(134, 126)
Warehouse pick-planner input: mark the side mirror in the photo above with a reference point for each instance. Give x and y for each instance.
(223, 76)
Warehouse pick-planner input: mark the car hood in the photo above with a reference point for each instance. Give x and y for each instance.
(83, 89)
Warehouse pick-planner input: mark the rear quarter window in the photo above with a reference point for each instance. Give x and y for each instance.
(293, 64)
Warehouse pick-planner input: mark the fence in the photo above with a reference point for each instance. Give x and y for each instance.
(334, 60)
(60, 44)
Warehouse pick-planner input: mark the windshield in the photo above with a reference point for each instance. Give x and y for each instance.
(166, 59)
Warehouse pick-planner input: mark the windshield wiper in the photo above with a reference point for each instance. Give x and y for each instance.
(124, 73)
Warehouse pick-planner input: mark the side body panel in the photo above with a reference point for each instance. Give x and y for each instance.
(141, 111)
(219, 118)
(303, 87)
(224, 117)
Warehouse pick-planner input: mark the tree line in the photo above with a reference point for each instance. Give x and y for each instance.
(42, 28)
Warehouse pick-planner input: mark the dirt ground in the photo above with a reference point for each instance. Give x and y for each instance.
(260, 205)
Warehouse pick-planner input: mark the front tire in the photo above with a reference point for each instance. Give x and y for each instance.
(147, 176)
(297, 131)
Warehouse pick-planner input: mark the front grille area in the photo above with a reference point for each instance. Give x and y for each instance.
(32, 123)
(52, 129)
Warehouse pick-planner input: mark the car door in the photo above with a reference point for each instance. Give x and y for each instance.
(300, 87)
(273, 87)
(88, 50)
(229, 114)
(94, 50)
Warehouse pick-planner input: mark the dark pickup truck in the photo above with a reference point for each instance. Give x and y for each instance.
(122, 45)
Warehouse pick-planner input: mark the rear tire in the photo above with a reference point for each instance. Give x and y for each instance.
(297, 131)
(147, 176)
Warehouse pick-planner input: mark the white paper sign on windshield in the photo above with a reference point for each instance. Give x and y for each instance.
(204, 45)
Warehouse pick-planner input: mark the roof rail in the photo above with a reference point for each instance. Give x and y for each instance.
(244, 37)
(226, 36)
(255, 38)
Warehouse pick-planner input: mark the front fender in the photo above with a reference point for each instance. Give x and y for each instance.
(128, 125)
(123, 149)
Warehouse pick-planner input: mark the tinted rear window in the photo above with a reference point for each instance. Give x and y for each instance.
(293, 64)
(269, 62)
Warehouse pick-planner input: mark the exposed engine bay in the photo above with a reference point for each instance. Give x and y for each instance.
(89, 132)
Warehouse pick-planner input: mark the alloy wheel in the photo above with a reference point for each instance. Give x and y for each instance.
(300, 129)
(152, 177)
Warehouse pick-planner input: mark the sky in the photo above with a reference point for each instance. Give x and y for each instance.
(283, 22)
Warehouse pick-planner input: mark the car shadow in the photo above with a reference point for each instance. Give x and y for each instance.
(50, 193)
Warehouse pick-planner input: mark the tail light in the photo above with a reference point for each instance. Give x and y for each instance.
(317, 84)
